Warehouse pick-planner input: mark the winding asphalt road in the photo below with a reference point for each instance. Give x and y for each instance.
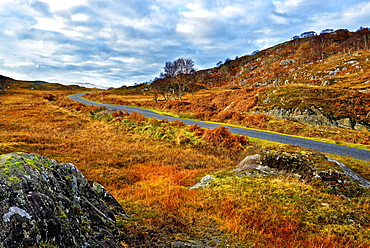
(281, 138)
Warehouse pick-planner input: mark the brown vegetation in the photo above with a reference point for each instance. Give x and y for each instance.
(246, 106)
(330, 72)
(148, 165)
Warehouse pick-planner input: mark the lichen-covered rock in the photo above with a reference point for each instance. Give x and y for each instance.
(203, 182)
(46, 203)
(306, 164)
(313, 115)
(254, 163)
(288, 162)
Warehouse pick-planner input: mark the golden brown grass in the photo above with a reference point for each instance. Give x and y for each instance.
(149, 176)
(244, 103)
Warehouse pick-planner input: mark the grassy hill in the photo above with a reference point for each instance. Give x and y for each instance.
(337, 59)
(8, 85)
(149, 166)
(297, 87)
(309, 86)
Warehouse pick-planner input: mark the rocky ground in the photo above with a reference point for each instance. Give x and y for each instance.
(47, 203)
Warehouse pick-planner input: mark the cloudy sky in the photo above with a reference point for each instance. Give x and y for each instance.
(121, 42)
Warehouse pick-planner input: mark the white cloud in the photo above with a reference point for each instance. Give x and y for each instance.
(80, 17)
(50, 24)
(119, 42)
(287, 6)
(351, 18)
(56, 5)
(16, 63)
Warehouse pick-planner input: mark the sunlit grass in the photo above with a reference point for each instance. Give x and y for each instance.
(332, 135)
(325, 140)
(149, 174)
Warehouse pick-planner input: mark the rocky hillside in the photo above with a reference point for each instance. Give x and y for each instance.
(322, 80)
(318, 80)
(339, 58)
(46, 204)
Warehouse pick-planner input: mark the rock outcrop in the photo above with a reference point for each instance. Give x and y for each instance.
(313, 116)
(306, 165)
(44, 203)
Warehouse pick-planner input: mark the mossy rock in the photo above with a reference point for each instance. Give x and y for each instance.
(46, 203)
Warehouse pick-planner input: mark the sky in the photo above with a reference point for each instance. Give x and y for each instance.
(111, 43)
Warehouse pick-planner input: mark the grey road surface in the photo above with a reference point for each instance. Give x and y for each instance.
(281, 138)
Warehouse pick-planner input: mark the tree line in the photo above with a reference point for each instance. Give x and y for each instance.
(330, 42)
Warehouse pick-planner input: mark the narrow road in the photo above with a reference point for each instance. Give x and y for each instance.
(281, 138)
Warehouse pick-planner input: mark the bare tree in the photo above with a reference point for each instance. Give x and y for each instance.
(162, 86)
(179, 72)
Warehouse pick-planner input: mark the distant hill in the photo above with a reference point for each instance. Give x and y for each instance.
(3, 78)
(8, 84)
(320, 79)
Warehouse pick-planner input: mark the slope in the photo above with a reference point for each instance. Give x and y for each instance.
(8, 85)
(320, 146)
(315, 86)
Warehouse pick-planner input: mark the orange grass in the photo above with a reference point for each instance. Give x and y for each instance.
(211, 107)
(150, 177)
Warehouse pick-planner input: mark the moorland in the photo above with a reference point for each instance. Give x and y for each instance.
(316, 87)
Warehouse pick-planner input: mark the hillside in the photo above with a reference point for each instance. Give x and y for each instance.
(7, 85)
(315, 86)
(338, 59)
(293, 197)
(185, 186)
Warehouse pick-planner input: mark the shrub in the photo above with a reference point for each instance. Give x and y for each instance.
(118, 113)
(136, 117)
(79, 106)
(222, 137)
(182, 139)
(49, 97)
(177, 123)
(197, 130)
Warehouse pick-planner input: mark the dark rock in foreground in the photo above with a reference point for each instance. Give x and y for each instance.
(46, 203)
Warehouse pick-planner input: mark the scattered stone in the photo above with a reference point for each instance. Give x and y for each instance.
(251, 162)
(287, 61)
(229, 107)
(203, 182)
(312, 115)
(252, 166)
(326, 83)
(44, 203)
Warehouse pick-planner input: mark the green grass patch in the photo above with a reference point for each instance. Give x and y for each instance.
(186, 116)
